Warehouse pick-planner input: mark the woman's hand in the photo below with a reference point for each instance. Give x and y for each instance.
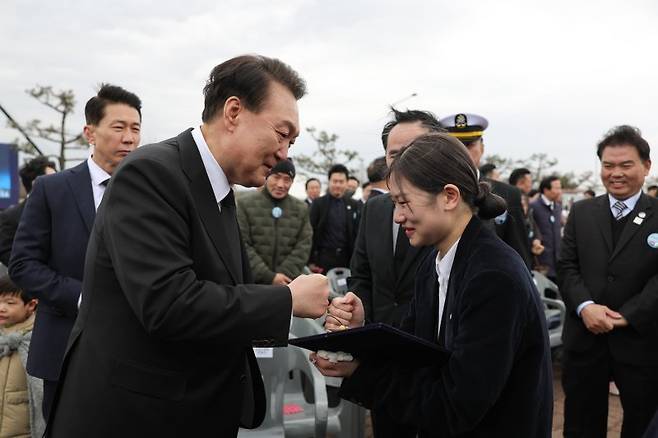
(344, 312)
(333, 369)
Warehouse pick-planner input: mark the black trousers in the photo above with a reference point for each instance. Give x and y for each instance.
(49, 387)
(585, 379)
(333, 258)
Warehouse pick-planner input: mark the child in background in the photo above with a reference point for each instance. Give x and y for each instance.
(20, 394)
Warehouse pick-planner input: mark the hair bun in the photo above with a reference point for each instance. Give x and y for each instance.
(489, 204)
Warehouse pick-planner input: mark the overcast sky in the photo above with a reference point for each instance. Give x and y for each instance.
(550, 76)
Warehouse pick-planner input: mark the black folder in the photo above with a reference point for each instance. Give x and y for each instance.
(377, 341)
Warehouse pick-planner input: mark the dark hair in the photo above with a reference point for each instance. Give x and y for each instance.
(248, 77)
(377, 170)
(425, 118)
(338, 168)
(434, 160)
(625, 135)
(33, 168)
(590, 192)
(518, 174)
(365, 184)
(532, 193)
(653, 187)
(352, 177)
(546, 183)
(7, 287)
(309, 181)
(107, 94)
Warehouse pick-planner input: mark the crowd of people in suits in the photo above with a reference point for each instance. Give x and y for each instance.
(152, 280)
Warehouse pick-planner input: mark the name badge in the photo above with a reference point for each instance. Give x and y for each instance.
(499, 220)
(264, 353)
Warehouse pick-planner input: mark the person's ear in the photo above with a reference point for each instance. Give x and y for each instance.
(89, 132)
(32, 305)
(452, 196)
(233, 108)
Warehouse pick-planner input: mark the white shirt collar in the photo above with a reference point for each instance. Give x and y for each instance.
(444, 264)
(546, 201)
(98, 175)
(216, 175)
(375, 189)
(630, 202)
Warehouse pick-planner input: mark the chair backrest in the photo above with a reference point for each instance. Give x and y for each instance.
(306, 413)
(273, 364)
(338, 280)
(343, 419)
(554, 309)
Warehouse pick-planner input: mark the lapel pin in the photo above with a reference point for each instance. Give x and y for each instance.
(638, 220)
(642, 215)
(652, 240)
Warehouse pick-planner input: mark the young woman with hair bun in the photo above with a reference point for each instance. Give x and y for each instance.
(473, 296)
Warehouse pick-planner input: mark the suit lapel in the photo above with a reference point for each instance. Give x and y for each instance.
(643, 205)
(79, 182)
(206, 204)
(602, 218)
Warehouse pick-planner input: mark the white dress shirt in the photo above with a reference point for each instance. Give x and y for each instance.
(216, 176)
(443, 268)
(98, 177)
(550, 204)
(630, 204)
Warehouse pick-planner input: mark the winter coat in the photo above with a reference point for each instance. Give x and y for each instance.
(273, 244)
(20, 394)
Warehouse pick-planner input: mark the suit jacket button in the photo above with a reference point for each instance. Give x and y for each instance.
(611, 278)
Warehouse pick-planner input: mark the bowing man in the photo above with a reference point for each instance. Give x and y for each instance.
(473, 296)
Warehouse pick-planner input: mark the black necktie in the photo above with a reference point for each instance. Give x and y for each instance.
(229, 200)
(229, 221)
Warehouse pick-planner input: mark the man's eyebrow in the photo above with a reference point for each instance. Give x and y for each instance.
(124, 122)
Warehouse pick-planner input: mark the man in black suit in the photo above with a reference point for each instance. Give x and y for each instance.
(384, 264)
(312, 187)
(521, 178)
(10, 218)
(335, 221)
(377, 171)
(509, 226)
(608, 278)
(162, 346)
(51, 241)
(547, 213)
